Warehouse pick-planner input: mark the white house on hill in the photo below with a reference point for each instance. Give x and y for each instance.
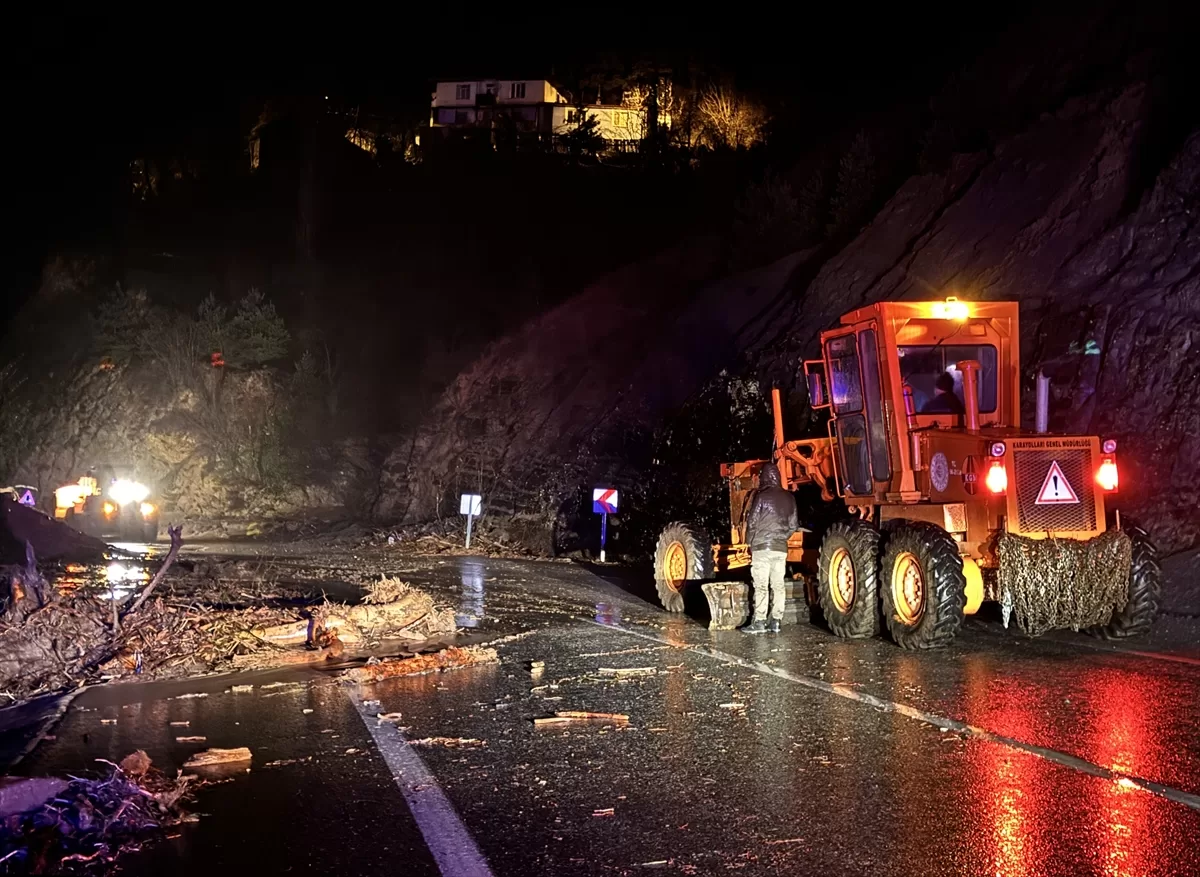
(533, 106)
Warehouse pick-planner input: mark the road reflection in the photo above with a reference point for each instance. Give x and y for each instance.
(470, 609)
(1017, 798)
(1120, 735)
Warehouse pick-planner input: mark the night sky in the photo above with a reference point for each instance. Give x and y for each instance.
(92, 90)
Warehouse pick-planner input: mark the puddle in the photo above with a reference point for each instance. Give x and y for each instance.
(115, 579)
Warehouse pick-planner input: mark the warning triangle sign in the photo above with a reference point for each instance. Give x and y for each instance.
(1055, 489)
(27, 498)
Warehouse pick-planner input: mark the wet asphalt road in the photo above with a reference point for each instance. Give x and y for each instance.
(795, 754)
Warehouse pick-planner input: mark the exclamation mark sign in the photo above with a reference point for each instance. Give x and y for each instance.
(1056, 485)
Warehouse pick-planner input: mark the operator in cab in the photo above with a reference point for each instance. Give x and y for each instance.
(944, 400)
(770, 522)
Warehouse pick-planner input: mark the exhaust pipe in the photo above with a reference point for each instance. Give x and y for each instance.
(970, 375)
(1042, 412)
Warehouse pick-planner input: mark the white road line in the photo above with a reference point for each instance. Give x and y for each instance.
(1061, 758)
(452, 846)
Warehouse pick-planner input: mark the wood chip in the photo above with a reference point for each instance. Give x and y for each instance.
(732, 706)
(180, 724)
(628, 671)
(447, 741)
(563, 717)
(108, 721)
(218, 756)
(241, 689)
(607, 811)
(190, 739)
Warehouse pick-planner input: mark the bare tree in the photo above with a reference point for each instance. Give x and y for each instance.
(730, 119)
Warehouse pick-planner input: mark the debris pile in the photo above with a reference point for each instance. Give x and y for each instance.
(436, 537)
(91, 822)
(51, 640)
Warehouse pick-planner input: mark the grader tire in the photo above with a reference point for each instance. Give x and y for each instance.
(683, 555)
(848, 580)
(1145, 591)
(924, 588)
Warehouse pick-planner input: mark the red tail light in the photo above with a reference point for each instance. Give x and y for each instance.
(997, 477)
(1107, 476)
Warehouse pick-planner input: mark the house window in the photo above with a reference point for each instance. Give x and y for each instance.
(462, 92)
(516, 89)
(570, 115)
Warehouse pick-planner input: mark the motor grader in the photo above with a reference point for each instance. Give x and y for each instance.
(948, 502)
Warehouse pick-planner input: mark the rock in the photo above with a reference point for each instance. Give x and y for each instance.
(136, 763)
(22, 794)
(51, 539)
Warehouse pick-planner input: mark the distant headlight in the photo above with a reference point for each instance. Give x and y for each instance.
(108, 509)
(147, 509)
(123, 492)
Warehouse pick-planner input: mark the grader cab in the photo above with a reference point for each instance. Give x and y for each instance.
(950, 504)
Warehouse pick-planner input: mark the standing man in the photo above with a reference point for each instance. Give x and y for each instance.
(770, 521)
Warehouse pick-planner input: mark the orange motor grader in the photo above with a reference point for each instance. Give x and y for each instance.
(950, 503)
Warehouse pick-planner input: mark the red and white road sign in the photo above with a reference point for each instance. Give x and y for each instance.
(1056, 490)
(604, 501)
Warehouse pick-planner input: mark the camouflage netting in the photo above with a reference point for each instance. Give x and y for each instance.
(1050, 584)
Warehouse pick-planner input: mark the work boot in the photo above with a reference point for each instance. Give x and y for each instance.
(755, 627)
(773, 625)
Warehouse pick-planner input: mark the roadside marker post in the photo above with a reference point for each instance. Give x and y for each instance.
(470, 504)
(604, 503)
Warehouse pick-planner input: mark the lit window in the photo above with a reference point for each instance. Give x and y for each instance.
(462, 92)
(516, 89)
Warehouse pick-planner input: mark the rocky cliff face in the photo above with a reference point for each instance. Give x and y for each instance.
(95, 415)
(1061, 216)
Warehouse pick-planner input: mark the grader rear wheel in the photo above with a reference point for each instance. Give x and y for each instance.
(847, 580)
(924, 588)
(683, 555)
(1145, 591)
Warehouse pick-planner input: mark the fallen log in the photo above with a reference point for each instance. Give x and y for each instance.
(452, 658)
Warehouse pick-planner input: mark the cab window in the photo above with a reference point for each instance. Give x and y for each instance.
(845, 384)
(922, 366)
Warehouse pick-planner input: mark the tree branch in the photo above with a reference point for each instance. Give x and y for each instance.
(176, 534)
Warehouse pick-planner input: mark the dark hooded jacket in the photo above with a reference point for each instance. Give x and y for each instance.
(772, 517)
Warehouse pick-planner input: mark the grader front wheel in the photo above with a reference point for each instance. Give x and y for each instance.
(924, 588)
(683, 555)
(847, 581)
